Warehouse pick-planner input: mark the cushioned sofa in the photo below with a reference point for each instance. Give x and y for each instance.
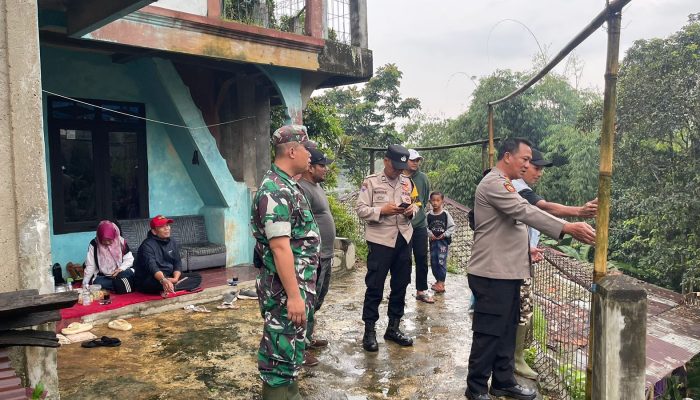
(196, 251)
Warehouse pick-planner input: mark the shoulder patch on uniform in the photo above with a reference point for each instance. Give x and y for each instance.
(509, 186)
(364, 187)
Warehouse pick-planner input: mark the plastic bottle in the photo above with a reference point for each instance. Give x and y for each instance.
(87, 297)
(69, 281)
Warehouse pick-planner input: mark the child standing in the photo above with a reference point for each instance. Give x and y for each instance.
(441, 226)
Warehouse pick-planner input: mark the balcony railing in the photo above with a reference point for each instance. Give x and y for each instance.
(333, 23)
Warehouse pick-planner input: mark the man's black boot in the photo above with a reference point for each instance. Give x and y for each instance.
(369, 340)
(515, 392)
(394, 334)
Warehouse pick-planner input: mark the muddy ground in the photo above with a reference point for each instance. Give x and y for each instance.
(179, 355)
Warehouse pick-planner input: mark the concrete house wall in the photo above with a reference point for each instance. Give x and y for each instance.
(176, 187)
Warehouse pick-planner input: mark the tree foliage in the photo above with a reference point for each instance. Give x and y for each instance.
(547, 114)
(369, 117)
(657, 176)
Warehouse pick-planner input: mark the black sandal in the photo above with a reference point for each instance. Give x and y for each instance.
(102, 342)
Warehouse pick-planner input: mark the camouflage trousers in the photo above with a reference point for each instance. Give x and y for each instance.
(526, 306)
(282, 346)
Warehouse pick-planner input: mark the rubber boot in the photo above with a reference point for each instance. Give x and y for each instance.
(521, 367)
(293, 392)
(369, 340)
(393, 333)
(275, 393)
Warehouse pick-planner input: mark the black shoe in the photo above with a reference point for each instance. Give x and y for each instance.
(472, 396)
(394, 334)
(369, 340)
(515, 392)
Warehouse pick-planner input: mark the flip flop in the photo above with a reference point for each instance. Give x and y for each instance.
(119, 325)
(76, 327)
(194, 308)
(425, 298)
(104, 341)
(437, 290)
(228, 306)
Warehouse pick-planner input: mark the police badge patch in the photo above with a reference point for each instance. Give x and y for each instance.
(509, 186)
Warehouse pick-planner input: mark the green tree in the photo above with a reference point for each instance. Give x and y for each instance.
(369, 117)
(657, 168)
(551, 108)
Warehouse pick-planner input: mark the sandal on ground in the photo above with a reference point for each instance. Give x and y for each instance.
(425, 298)
(228, 306)
(119, 325)
(194, 308)
(104, 341)
(76, 327)
(437, 289)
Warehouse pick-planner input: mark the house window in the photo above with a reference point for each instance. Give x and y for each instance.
(98, 163)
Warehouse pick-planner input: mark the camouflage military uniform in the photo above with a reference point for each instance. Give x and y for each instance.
(280, 209)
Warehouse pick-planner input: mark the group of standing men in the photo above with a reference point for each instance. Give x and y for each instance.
(296, 256)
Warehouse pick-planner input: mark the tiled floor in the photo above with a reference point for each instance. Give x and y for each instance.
(218, 276)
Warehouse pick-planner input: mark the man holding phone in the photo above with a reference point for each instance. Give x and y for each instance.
(385, 205)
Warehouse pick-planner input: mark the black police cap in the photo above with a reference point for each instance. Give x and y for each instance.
(398, 156)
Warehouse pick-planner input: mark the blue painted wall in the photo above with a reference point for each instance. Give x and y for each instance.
(89, 75)
(176, 187)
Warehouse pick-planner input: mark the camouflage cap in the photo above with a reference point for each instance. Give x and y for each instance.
(290, 133)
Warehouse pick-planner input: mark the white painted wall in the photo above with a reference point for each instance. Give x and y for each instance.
(197, 7)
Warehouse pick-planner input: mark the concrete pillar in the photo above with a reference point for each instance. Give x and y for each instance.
(24, 237)
(314, 18)
(262, 134)
(245, 91)
(358, 23)
(619, 346)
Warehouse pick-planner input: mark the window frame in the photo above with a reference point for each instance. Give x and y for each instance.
(101, 166)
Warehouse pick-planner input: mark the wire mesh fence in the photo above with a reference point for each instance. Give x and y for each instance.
(560, 324)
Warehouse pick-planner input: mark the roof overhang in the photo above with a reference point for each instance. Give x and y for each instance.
(85, 16)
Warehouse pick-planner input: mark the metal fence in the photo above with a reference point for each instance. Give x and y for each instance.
(290, 16)
(338, 20)
(560, 324)
(283, 15)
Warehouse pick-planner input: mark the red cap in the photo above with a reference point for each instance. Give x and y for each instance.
(159, 220)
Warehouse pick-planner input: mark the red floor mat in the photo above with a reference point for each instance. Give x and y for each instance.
(118, 301)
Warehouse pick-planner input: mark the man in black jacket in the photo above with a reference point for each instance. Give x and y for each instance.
(158, 265)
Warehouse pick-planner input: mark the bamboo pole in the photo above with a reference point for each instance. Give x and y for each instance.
(492, 151)
(607, 138)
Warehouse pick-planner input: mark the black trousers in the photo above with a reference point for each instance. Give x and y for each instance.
(496, 314)
(380, 261)
(419, 242)
(152, 286)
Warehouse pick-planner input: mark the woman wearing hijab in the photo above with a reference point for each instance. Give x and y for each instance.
(109, 260)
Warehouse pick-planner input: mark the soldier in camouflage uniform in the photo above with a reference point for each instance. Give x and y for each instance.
(288, 241)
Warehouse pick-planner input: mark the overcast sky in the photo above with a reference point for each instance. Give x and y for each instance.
(439, 45)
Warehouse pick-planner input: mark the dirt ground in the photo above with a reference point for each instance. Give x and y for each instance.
(180, 355)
